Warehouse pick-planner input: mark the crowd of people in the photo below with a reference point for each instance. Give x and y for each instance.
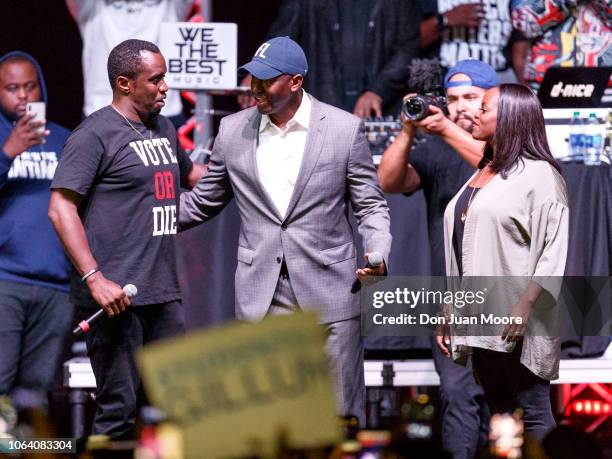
(84, 213)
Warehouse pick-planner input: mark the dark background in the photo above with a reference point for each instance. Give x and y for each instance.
(45, 29)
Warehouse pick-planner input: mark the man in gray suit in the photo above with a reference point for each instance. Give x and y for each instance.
(294, 164)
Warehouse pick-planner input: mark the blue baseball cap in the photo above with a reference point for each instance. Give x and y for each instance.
(275, 57)
(480, 74)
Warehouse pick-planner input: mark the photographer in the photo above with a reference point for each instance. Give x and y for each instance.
(440, 165)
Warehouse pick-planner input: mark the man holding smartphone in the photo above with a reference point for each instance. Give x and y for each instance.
(34, 305)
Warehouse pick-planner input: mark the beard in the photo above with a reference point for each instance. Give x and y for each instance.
(466, 122)
(152, 114)
(11, 115)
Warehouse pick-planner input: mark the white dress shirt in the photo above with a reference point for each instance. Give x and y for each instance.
(279, 154)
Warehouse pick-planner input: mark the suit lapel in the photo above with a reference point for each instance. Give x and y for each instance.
(252, 169)
(312, 151)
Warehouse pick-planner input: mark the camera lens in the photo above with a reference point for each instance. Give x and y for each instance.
(415, 108)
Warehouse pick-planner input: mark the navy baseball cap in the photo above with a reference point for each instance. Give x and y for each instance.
(480, 74)
(275, 57)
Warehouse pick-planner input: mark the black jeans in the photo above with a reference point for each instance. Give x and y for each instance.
(34, 324)
(111, 346)
(508, 385)
(465, 414)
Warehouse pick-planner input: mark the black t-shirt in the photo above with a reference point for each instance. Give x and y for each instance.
(463, 204)
(130, 184)
(443, 172)
(490, 42)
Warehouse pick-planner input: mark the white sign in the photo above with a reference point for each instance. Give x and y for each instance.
(200, 55)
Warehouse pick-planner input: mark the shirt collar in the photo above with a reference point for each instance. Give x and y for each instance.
(301, 117)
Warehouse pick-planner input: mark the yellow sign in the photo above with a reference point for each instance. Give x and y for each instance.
(237, 388)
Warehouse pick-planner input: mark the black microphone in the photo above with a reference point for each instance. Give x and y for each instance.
(375, 259)
(85, 325)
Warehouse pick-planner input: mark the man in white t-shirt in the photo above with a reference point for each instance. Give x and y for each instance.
(106, 23)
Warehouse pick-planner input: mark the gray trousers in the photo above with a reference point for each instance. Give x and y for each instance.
(344, 347)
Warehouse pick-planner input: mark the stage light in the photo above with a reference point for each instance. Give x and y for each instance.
(590, 407)
(578, 407)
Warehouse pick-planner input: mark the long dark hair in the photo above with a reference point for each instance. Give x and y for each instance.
(520, 131)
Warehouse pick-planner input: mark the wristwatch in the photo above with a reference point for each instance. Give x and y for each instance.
(442, 21)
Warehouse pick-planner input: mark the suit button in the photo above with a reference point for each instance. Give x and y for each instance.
(284, 227)
(278, 259)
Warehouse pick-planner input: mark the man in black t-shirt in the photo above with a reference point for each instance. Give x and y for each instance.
(114, 204)
(440, 165)
(442, 172)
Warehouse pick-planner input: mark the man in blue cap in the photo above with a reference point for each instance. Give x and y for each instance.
(294, 164)
(440, 166)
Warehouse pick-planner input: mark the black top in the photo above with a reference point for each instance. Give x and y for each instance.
(390, 37)
(443, 172)
(130, 184)
(460, 207)
(353, 19)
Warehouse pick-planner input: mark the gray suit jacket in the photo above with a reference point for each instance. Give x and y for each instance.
(315, 236)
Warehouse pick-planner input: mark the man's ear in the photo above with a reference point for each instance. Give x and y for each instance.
(296, 82)
(124, 85)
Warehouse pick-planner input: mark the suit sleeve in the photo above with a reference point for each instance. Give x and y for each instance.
(367, 199)
(212, 193)
(391, 81)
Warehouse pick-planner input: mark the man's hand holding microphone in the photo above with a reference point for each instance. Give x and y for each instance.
(110, 296)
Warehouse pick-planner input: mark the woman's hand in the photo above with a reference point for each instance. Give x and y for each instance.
(443, 339)
(514, 331)
(443, 332)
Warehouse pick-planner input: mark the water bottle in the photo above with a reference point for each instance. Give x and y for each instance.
(576, 138)
(593, 141)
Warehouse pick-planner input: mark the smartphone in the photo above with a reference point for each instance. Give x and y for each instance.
(39, 110)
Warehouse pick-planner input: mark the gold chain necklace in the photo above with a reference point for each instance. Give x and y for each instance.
(131, 125)
(474, 188)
